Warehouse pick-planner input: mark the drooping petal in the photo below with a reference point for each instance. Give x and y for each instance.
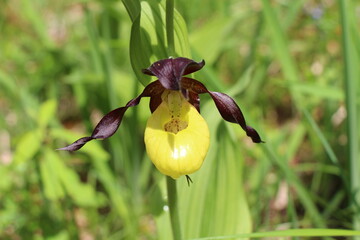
(169, 71)
(227, 107)
(77, 144)
(231, 112)
(176, 137)
(111, 121)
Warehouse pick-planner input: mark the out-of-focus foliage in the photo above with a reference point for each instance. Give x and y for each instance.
(64, 64)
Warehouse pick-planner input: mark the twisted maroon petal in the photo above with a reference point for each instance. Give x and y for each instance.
(111, 121)
(227, 107)
(170, 71)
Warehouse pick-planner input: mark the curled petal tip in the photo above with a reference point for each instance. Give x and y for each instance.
(194, 67)
(253, 134)
(76, 145)
(227, 107)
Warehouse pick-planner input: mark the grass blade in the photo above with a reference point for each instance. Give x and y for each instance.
(351, 77)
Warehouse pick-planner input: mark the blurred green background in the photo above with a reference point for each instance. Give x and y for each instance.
(292, 66)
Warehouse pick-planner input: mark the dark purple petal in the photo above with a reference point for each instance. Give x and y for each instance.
(192, 66)
(193, 85)
(231, 112)
(111, 121)
(170, 71)
(227, 107)
(194, 100)
(77, 144)
(192, 97)
(155, 101)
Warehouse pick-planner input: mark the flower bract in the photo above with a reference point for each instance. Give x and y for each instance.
(176, 135)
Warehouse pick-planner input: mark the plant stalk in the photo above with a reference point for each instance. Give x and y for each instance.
(351, 76)
(171, 183)
(170, 26)
(173, 207)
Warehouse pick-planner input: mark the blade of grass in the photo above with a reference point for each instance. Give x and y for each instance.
(294, 181)
(169, 18)
(351, 77)
(102, 60)
(280, 46)
(311, 232)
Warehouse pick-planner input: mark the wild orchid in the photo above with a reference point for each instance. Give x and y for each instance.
(176, 135)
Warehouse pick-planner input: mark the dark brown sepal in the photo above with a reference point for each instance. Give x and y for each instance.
(194, 100)
(231, 112)
(170, 71)
(77, 144)
(109, 124)
(227, 107)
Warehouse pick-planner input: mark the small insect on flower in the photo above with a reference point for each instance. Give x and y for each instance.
(176, 135)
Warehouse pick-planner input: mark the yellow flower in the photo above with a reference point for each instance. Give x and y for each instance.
(176, 136)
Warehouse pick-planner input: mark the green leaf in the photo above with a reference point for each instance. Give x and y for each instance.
(57, 177)
(47, 112)
(155, 201)
(49, 174)
(63, 235)
(132, 7)
(351, 76)
(27, 146)
(148, 41)
(207, 41)
(327, 92)
(6, 176)
(311, 232)
(83, 194)
(220, 178)
(7, 84)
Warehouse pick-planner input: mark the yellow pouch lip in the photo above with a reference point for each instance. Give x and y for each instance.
(181, 153)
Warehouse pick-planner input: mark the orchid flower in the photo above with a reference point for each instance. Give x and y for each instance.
(176, 135)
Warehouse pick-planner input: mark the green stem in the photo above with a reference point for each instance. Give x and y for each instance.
(173, 208)
(351, 75)
(171, 183)
(170, 26)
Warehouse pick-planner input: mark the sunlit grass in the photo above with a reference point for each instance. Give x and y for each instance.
(292, 68)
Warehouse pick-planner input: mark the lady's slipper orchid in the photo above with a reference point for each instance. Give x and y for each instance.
(176, 135)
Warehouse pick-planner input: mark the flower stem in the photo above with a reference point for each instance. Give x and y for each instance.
(171, 183)
(170, 26)
(173, 208)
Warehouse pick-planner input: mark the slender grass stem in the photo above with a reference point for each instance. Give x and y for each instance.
(173, 208)
(351, 75)
(170, 26)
